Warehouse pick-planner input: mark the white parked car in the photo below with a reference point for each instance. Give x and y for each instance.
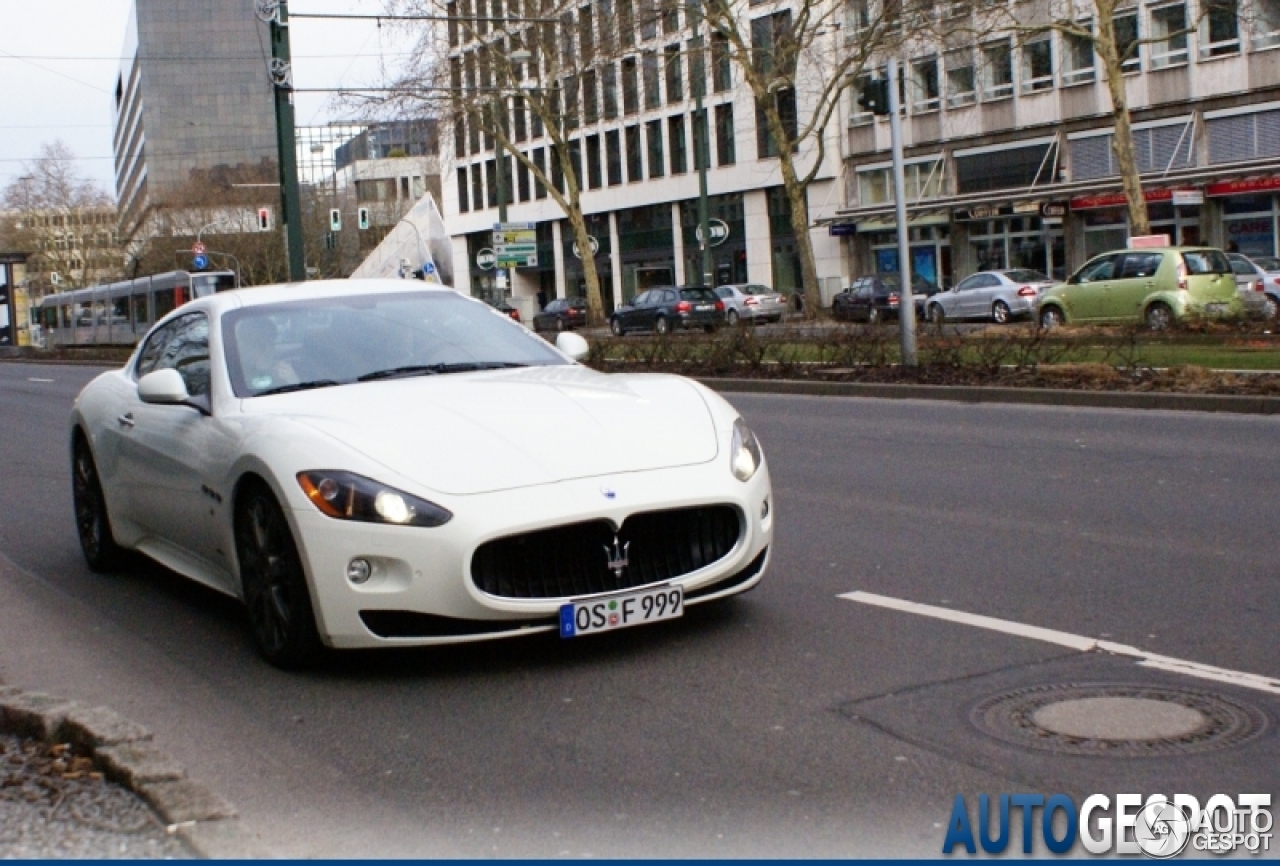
(1259, 291)
(380, 463)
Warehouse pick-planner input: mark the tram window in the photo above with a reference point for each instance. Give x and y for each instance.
(164, 303)
(65, 310)
(99, 313)
(83, 316)
(140, 309)
(120, 311)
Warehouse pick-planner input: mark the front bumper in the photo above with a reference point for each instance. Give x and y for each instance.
(421, 591)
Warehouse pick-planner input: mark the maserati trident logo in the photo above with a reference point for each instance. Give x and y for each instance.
(617, 557)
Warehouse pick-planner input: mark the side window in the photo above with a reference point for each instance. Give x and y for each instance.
(1098, 269)
(725, 293)
(639, 300)
(669, 297)
(186, 349)
(967, 283)
(1140, 265)
(152, 350)
(988, 281)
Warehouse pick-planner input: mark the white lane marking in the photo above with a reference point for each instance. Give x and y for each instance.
(34, 379)
(1073, 641)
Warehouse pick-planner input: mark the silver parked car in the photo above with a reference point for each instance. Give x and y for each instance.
(995, 295)
(751, 302)
(1251, 284)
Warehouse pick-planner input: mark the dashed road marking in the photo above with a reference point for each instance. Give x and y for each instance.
(1072, 641)
(34, 379)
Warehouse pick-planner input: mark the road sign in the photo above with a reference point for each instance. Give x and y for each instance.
(515, 245)
(197, 248)
(200, 262)
(485, 259)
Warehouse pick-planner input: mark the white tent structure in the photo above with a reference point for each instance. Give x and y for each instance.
(417, 244)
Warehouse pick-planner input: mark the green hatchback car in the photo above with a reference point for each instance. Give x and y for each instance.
(1156, 286)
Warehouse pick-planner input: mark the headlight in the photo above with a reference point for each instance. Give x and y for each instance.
(744, 452)
(347, 496)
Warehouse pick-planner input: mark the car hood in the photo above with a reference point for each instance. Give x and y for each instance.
(468, 433)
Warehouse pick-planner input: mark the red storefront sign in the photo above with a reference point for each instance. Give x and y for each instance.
(1117, 199)
(1243, 187)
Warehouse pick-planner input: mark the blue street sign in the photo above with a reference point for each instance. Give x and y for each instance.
(200, 262)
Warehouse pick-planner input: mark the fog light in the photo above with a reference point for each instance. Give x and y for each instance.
(359, 571)
(764, 508)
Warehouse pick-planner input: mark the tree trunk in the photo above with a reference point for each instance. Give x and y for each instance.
(797, 199)
(1122, 140)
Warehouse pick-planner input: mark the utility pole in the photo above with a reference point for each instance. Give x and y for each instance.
(702, 144)
(906, 302)
(500, 157)
(276, 12)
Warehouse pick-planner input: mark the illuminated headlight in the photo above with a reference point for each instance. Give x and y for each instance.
(346, 496)
(744, 452)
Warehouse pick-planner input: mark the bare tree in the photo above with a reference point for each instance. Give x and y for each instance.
(63, 220)
(798, 61)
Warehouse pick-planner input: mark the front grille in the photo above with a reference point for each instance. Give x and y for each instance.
(573, 560)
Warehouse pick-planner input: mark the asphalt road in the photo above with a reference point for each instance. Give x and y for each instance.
(788, 722)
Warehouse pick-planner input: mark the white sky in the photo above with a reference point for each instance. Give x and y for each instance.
(59, 60)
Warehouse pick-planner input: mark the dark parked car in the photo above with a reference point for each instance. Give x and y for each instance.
(562, 314)
(871, 299)
(666, 308)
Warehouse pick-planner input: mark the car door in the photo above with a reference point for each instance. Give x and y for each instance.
(630, 315)
(1134, 281)
(1089, 290)
(976, 303)
(953, 301)
(173, 453)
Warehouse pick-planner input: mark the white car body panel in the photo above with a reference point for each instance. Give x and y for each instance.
(505, 451)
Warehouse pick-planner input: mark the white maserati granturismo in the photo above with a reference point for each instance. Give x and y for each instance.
(381, 463)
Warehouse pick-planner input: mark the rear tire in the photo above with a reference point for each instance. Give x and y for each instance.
(1159, 317)
(1000, 313)
(1271, 309)
(732, 317)
(662, 326)
(873, 316)
(93, 524)
(1051, 317)
(281, 615)
(559, 324)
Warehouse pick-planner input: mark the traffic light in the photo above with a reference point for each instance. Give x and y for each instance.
(335, 220)
(362, 218)
(874, 96)
(264, 219)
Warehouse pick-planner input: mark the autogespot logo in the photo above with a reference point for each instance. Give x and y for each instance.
(1158, 826)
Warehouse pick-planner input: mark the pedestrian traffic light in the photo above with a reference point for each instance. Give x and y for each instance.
(264, 219)
(330, 241)
(874, 96)
(362, 218)
(335, 220)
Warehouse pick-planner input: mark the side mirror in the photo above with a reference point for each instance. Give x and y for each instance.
(165, 387)
(572, 345)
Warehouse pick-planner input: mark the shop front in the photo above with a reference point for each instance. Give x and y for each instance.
(1104, 219)
(1024, 234)
(1250, 214)
(728, 240)
(601, 253)
(646, 247)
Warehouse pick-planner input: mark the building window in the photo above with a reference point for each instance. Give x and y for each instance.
(595, 177)
(960, 78)
(491, 182)
(921, 180)
(785, 101)
(518, 118)
(1169, 29)
(652, 76)
(607, 23)
(609, 85)
(670, 17)
(1126, 28)
(721, 64)
(522, 180)
(676, 144)
(653, 132)
(1266, 24)
(1037, 65)
(635, 158)
(1220, 29)
(772, 48)
(926, 94)
(590, 102)
(997, 70)
(1008, 168)
(613, 156)
(675, 88)
(464, 201)
(857, 15)
(626, 23)
(648, 20)
(725, 132)
(571, 102)
(586, 34)
(540, 163)
(452, 11)
(1077, 57)
(697, 68)
(459, 137)
(630, 87)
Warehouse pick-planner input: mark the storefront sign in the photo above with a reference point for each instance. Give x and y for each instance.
(1187, 197)
(1117, 199)
(1053, 210)
(1023, 207)
(842, 230)
(1245, 186)
(592, 242)
(485, 259)
(719, 232)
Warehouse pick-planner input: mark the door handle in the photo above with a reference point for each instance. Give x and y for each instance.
(126, 420)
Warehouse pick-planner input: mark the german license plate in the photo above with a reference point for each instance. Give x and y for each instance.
(621, 611)
(702, 308)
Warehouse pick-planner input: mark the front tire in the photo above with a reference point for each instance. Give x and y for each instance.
(732, 317)
(281, 615)
(615, 327)
(662, 326)
(1271, 309)
(1000, 313)
(93, 524)
(1159, 317)
(936, 315)
(873, 316)
(559, 324)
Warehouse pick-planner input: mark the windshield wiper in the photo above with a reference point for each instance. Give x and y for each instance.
(396, 372)
(467, 366)
(298, 386)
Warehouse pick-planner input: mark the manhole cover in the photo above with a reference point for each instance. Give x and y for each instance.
(1119, 721)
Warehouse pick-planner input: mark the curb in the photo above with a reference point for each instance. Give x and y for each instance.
(1232, 403)
(206, 823)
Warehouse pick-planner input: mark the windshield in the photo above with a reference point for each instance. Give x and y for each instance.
(1206, 262)
(336, 341)
(698, 295)
(1026, 276)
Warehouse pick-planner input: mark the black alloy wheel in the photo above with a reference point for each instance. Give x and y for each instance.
(275, 588)
(1000, 313)
(92, 523)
